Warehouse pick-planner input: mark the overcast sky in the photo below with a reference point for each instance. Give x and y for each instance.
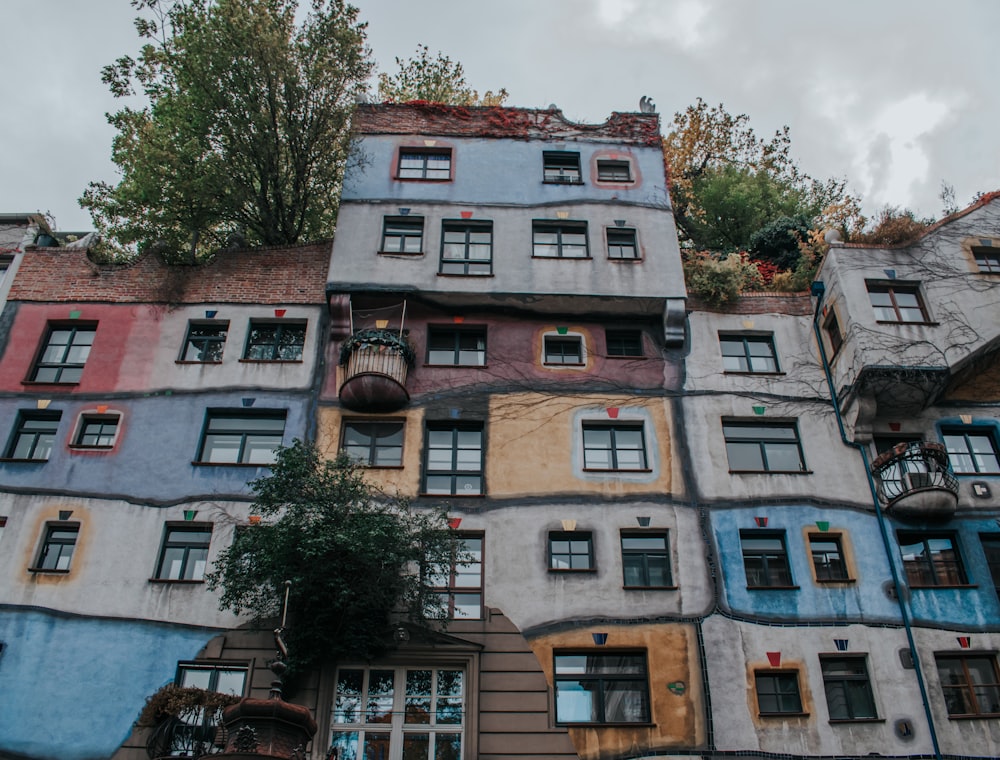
(894, 95)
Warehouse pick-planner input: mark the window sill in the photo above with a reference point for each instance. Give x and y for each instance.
(841, 721)
(783, 715)
(915, 324)
(623, 356)
(422, 179)
(464, 274)
(197, 463)
(741, 372)
(562, 181)
(943, 586)
(40, 384)
(425, 495)
(456, 366)
(380, 466)
(192, 361)
(402, 254)
(835, 581)
(271, 361)
(625, 259)
(582, 724)
(650, 588)
(48, 571)
(178, 581)
(24, 461)
(564, 364)
(592, 469)
(573, 570)
(562, 258)
(978, 716)
(773, 588)
(78, 447)
(770, 472)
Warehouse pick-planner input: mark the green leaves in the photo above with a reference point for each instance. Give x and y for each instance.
(436, 80)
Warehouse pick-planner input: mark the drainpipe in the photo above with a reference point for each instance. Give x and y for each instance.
(818, 290)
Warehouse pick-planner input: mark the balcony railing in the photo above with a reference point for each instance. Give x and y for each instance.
(914, 479)
(192, 734)
(374, 367)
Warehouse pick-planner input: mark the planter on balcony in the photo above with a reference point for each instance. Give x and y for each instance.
(375, 363)
(915, 481)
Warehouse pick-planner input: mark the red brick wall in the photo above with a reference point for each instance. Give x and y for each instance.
(798, 304)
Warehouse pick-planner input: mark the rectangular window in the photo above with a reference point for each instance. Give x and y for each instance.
(778, 692)
(763, 447)
(971, 450)
(193, 734)
(233, 437)
(613, 171)
(571, 551)
(373, 444)
(848, 688)
(646, 559)
(562, 167)
(622, 244)
(615, 448)
(897, 303)
(827, 558)
(931, 559)
(205, 342)
(402, 234)
(460, 586)
(424, 163)
(987, 259)
(748, 353)
(623, 343)
(229, 678)
(563, 350)
(462, 347)
(97, 431)
(832, 329)
(64, 353)
(34, 436)
(403, 712)
(275, 341)
(765, 559)
(453, 464)
(466, 247)
(184, 554)
(601, 688)
(559, 240)
(970, 684)
(57, 547)
(991, 548)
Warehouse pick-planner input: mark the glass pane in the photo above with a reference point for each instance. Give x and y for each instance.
(625, 702)
(231, 681)
(745, 456)
(198, 678)
(467, 605)
(448, 747)
(345, 743)
(380, 696)
(347, 706)
(469, 485)
(376, 746)
(575, 702)
(783, 457)
(415, 746)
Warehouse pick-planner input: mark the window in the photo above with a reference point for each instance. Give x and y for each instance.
(931, 559)
(64, 353)
(763, 447)
(466, 248)
(832, 329)
(424, 163)
(748, 353)
(897, 303)
(571, 550)
(614, 447)
(460, 586)
(970, 684)
(184, 554)
(57, 547)
(971, 450)
(275, 341)
(194, 733)
(374, 444)
(646, 559)
(562, 350)
(991, 548)
(560, 240)
(34, 436)
(613, 171)
(464, 347)
(562, 167)
(987, 259)
(402, 234)
(622, 244)
(241, 438)
(205, 342)
(454, 461)
(623, 343)
(778, 692)
(848, 688)
(230, 678)
(601, 688)
(409, 713)
(827, 558)
(97, 431)
(765, 559)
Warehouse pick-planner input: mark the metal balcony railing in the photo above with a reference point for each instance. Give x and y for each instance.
(192, 734)
(915, 467)
(375, 363)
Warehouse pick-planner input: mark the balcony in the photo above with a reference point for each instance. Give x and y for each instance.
(374, 363)
(915, 481)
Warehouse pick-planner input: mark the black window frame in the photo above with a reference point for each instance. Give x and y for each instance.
(104, 422)
(423, 156)
(467, 266)
(27, 417)
(764, 443)
(561, 167)
(247, 434)
(454, 473)
(775, 565)
(620, 240)
(830, 566)
(59, 540)
(63, 367)
(609, 170)
(967, 433)
(831, 326)
(192, 550)
(990, 543)
(560, 228)
(894, 290)
(296, 327)
(987, 259)
(926, 571)
(460, 337)
(460, 586)
(643, 560)
(848, 687)
(747, 356)
(599, 679)
(778, 693)
(563, 357)
(577, 556)
(216, 331)
(402, 229)
(374, 431)
(614, 450)
(623, 343)
(969, 690)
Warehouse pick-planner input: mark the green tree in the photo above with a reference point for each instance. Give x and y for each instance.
(437, 80)
(245, 130)
(355, 558)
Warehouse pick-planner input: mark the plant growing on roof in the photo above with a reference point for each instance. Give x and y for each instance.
(435, 80)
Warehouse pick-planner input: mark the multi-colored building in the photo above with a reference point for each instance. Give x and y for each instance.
(761, 530)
